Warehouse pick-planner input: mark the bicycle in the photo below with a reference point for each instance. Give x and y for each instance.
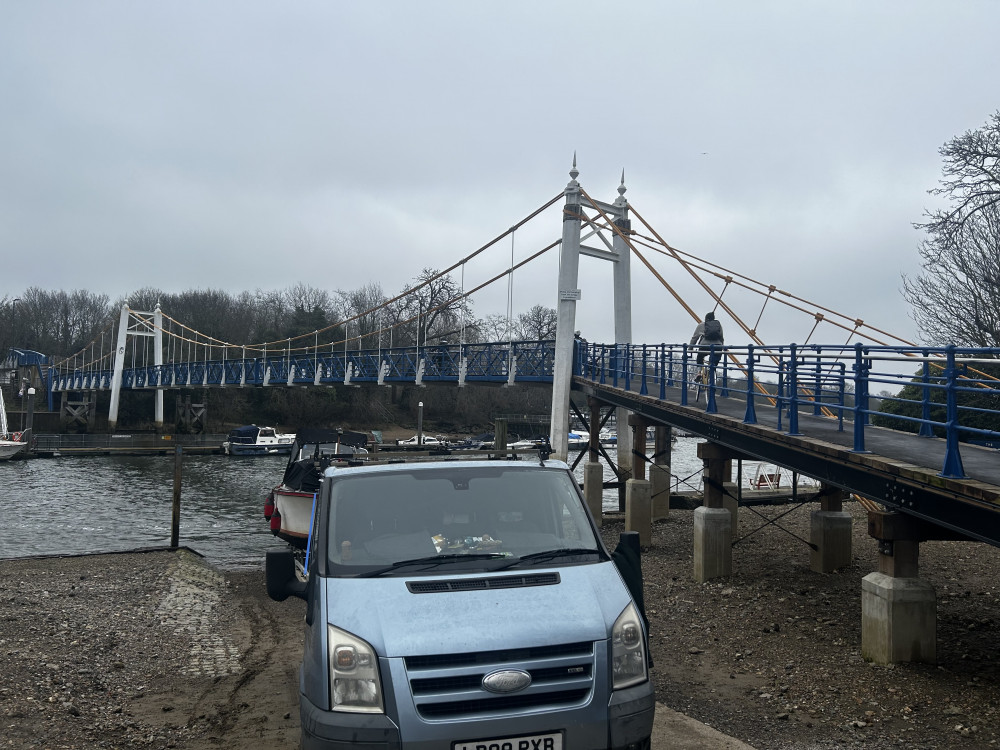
(705, 376)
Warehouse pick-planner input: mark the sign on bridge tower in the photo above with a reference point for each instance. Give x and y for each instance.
(610, 218)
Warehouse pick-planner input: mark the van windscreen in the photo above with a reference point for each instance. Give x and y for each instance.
(377, 519)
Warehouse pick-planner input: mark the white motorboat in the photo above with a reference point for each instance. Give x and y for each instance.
(289, 506)
(252, 440)
(421, 440)
(10, 443)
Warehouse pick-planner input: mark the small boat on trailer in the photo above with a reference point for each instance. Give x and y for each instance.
(289, 506)
(252, 440)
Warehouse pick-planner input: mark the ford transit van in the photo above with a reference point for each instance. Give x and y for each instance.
(466, 605)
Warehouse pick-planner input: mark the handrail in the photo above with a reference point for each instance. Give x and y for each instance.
(950, 392)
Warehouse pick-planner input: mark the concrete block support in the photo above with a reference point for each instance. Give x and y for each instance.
(898, 620)
(830, 534)
(713, 537)
(593, 489)
(659, 472)
(659, 490)
(730, 500)
(639, 510)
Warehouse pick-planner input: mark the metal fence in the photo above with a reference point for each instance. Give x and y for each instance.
(948, 392)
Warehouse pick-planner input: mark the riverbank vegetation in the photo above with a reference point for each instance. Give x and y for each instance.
(431, 310)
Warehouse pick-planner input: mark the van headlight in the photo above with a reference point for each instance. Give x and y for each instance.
(628, 650)
(354, 682)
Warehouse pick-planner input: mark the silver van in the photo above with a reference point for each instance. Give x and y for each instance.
(467, 605)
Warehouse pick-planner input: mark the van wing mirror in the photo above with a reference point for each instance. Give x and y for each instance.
(628, 559)
(279, 574)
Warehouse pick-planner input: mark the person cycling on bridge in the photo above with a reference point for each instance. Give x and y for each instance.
(707, 334)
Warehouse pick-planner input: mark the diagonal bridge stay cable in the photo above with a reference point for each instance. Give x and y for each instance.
(196, 337)
(820, 313)
(693, 266)
(680, 300)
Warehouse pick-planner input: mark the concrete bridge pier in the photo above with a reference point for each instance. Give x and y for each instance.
(714, 521)
(593, 489)
(830, 532)
(898, 609)
(638, 502)
(659, 472)
(593, 470)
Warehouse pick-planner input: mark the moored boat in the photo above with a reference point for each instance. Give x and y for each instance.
(252, 440)
(10, 443)
(288, 507)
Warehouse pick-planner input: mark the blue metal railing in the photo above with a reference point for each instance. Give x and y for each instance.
(950, 392)
(532, 361)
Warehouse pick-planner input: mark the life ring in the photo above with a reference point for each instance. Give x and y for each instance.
(16, 437)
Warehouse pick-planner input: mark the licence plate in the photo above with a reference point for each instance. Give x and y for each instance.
(526, 742)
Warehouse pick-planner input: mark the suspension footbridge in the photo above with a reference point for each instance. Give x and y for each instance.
(925, 468)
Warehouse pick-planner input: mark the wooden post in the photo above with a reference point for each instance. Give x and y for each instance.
(175, 524)
(500, 435)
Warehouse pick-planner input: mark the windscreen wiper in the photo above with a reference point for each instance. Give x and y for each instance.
(549, 554)
(431, 561)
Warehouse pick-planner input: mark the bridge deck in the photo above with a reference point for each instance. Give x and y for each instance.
(900, 470)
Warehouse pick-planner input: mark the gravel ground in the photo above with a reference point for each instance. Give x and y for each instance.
(145, 650)
(772, 654)
(157, 649)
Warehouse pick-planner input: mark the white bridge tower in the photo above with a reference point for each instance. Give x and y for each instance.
(616, 251)
(134, 323)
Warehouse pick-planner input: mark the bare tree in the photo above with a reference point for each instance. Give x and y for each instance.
(956, 297)
(538, 324)
(60, 323)
(970, 178)
(436, 306)
(310, 298)
(494, 327)
(365, 307)
(144, 299)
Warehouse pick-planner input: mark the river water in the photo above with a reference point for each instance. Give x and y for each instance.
(75, 505)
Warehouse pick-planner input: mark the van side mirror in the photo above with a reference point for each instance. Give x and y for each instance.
(627, 558)
(279, 574)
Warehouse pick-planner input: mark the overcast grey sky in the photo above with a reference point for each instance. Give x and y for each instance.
(245, 145)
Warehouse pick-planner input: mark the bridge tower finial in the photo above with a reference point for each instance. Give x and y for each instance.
(621, 191)
(574, 173)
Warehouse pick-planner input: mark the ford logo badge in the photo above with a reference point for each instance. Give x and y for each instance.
(506, 681)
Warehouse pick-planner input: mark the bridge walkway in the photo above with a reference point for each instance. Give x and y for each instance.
(899, 470)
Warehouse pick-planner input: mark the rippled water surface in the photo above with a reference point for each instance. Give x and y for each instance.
(76, 505)
(113, 503)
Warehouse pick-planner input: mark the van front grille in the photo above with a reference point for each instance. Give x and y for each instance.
(451, 685)
(482, 584)
(503, 704)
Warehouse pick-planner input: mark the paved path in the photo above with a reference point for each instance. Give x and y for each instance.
(675, 731)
